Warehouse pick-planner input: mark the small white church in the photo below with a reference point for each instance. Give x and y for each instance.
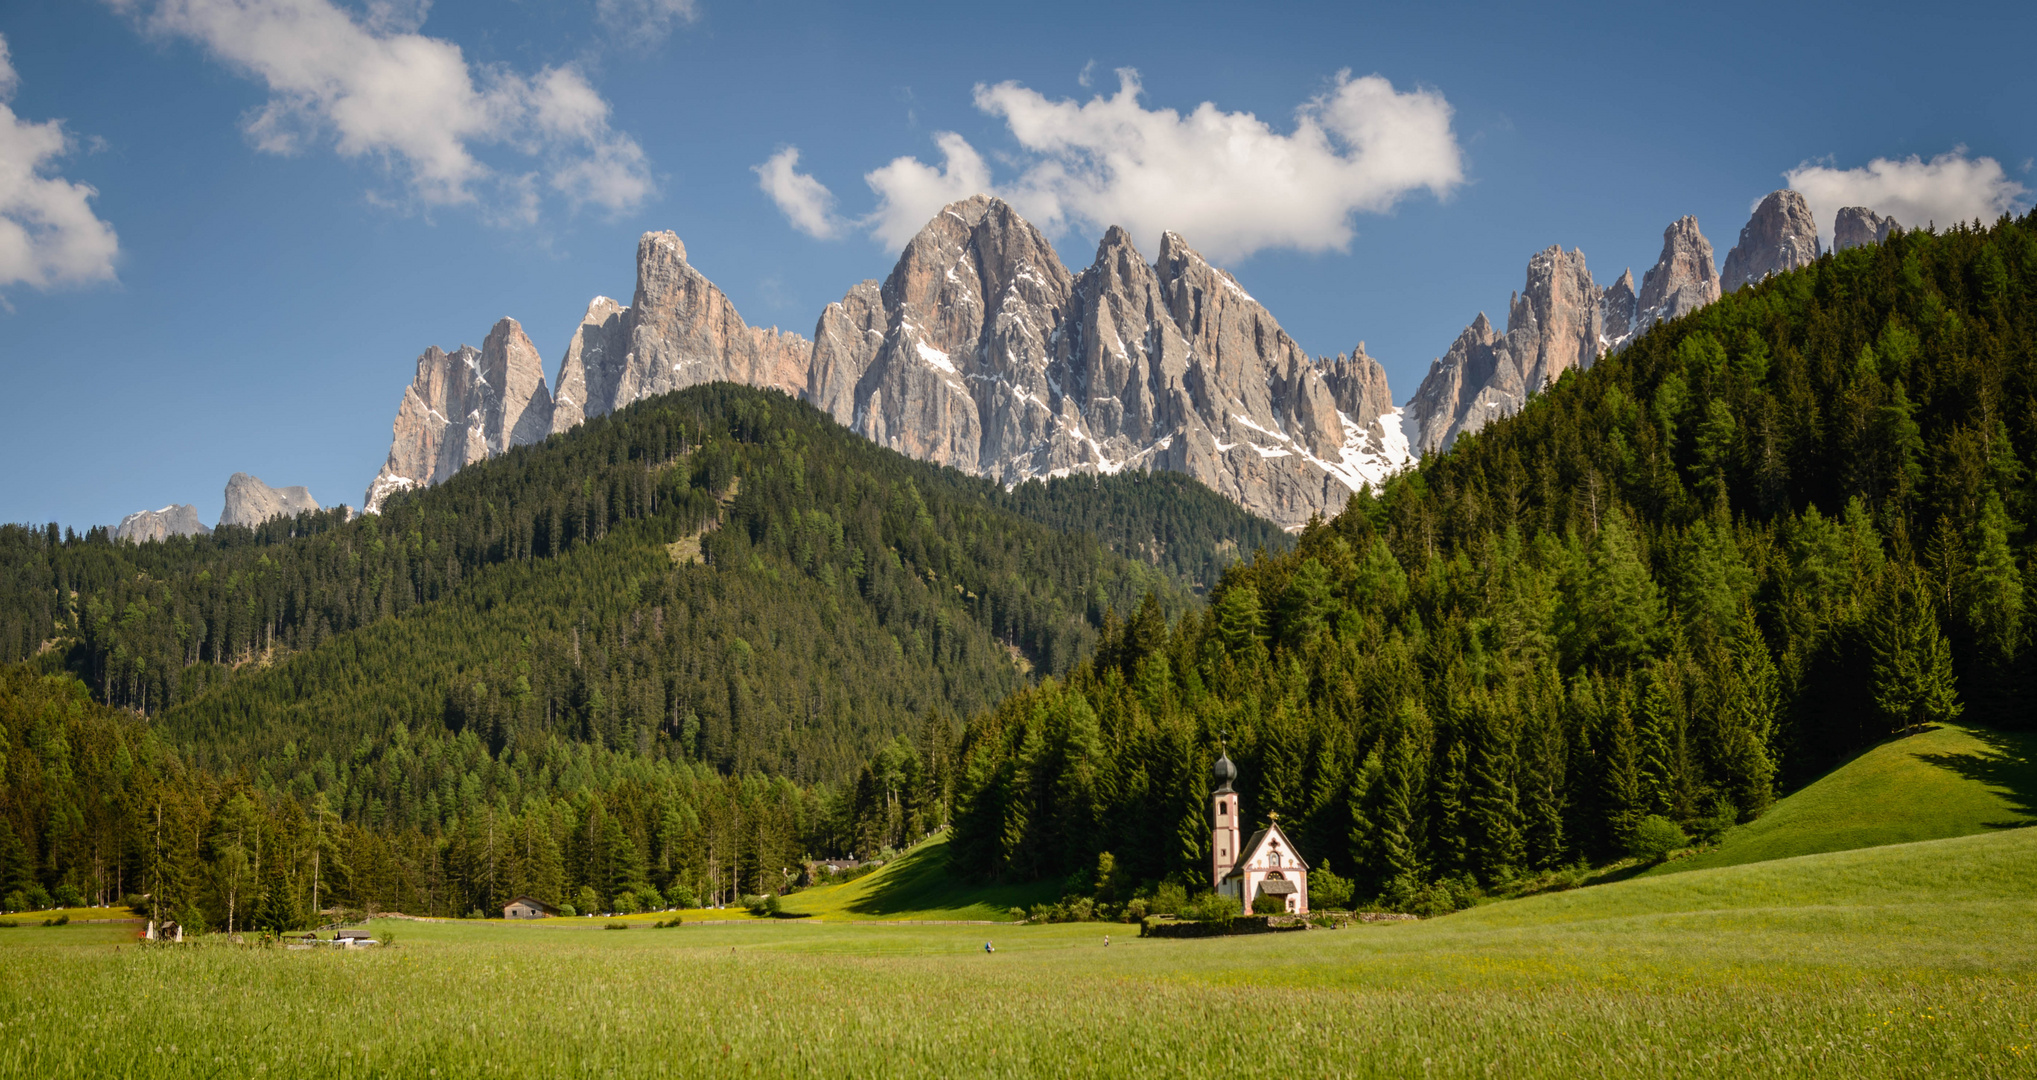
(1266, 864)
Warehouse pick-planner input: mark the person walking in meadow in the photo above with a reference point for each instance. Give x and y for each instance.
(988, 948)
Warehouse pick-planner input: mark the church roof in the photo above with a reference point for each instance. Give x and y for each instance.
(1251, 849)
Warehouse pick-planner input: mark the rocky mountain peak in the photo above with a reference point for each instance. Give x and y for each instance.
(250, 502)
(1781, 236)
(681, 330)
(979, 350)
(1683, 278)
(173, 520)
(1358, 385)
(1562, 302)
(1619, 310)
(1555, 323)
(514, 373)
(1558, 321)
(970, 309)
(462, 407)
(1857, 226)
(593, 364)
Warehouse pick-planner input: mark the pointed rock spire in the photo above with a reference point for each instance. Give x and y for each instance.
(1857, 226)
(464, 407)
(1780, 237)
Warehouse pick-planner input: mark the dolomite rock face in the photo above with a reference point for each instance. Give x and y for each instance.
(678, 331)
(846, 342)
(1559, 321)
(143, 526)
(1475, 382)
(970, 310)
(250, 502)
(463, 407)
(682, 331)
(1682, 279)
(593, 363)
(1781, 236)
(980, 351)
(1857, 226)
(1358, 385)
(1619, 311)
(1553, 325)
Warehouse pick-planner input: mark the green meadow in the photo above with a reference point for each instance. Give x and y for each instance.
(1948, 781)
(1912, 959)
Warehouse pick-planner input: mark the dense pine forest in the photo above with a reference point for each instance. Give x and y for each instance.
(1762, 538)
(708, 635)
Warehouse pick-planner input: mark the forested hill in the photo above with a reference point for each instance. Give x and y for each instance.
(1764, 536)
(720, 575)
(1166, 519)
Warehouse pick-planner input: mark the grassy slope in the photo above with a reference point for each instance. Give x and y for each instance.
(917, 885)
(1951, 781)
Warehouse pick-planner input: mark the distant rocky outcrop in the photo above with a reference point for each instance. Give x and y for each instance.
(981, 351)
(1559, 320)
(1857, 226)
(463, 407)
(250, 502)
(1683, 278)
(1619, 311)
(173, 520)
(679, 331)
(1781, 236)
(1358, 385)
(1554, 324)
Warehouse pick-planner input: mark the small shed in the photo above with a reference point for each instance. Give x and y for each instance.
(358, 936)
(527, 907)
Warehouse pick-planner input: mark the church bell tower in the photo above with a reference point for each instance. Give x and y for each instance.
(1225, 834)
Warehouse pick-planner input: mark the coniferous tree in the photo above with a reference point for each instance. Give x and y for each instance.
(1993, 591)
(1492, 803)
(1913, 679)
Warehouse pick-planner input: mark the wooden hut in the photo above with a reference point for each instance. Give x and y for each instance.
(527, 907)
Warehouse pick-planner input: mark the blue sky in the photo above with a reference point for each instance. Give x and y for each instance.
(257, 266)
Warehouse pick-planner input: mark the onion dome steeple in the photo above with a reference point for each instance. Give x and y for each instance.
(1223, 772)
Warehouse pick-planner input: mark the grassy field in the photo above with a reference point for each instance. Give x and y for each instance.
(1909, 960)
(1950, 781)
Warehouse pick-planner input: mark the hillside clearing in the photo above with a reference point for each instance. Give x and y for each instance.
(1946, 782)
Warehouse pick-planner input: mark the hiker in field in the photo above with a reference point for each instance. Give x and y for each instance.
(1106, 941)
(988, 948)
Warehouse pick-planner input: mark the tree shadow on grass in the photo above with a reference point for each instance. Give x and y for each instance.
(920, 881)
(2008, 765)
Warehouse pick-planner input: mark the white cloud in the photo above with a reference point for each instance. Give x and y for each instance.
(48, 232)
(1226, 180)
(909, 193)
(804, 201)
(375, 88)
(1947, 189)
(645, 22)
